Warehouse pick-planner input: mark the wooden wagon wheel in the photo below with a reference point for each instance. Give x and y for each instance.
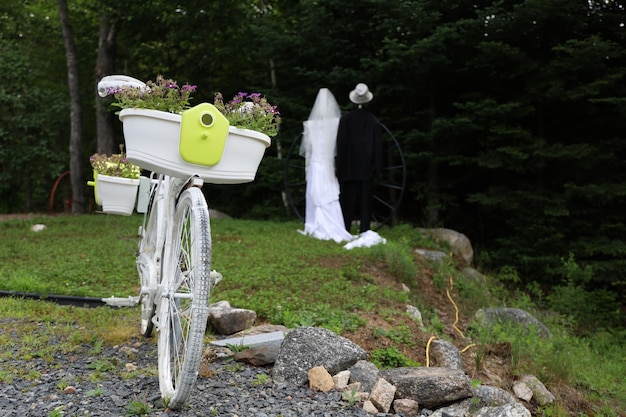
(61, 194)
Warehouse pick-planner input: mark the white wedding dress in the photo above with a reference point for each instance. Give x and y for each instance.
(323, 216)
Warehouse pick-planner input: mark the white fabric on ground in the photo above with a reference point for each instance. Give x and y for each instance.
(366, 240)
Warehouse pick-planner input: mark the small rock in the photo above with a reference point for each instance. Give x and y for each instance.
(522, 391)
(320, 379)
(415, 313)
(130, 367)
(228, 320)
(129, 350)
(540, 392)
(382, 395)
(38, 227)
(258, 355)
(70, 389)
(406, 407)
(341, 380)
(369, 407)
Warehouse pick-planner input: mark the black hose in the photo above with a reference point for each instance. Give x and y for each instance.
(88, 302)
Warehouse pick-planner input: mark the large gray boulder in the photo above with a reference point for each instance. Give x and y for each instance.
(490, 316)
(487, 396)
(460, 245)
(307, 347)
(430, 387)
(446, 355)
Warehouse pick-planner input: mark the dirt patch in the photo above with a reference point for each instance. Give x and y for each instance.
(23, 216)
(29, 216)
(389, 325)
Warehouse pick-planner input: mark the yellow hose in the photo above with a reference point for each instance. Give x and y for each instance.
(454, 325)
(456, 309)
(428, 350)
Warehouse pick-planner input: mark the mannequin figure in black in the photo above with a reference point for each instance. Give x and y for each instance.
(359, 159)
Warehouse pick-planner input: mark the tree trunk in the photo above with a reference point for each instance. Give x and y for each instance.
(76, 160)
(104, 66)
(432, 184)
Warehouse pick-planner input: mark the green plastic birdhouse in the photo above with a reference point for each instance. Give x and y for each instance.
(203, 133)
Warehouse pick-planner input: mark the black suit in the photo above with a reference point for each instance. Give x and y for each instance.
(358, 163)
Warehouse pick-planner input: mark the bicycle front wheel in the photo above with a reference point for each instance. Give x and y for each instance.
(184, 302)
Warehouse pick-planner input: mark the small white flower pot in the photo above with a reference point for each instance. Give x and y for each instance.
(117, 195)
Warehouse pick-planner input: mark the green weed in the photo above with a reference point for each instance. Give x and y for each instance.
(399, 334)
(96, 392)
(391, 358)
(237, 348)
(261, 379)
(235, 367)
(57, 412)
(101, 365)
(351, 396)
(7, 376)
(97, 347)
(138, 408)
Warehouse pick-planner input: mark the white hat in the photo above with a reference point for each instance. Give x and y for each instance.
(361, 94)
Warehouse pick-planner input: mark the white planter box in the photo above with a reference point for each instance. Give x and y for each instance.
(152, 142)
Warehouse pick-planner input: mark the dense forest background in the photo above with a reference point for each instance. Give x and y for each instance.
(511, 115)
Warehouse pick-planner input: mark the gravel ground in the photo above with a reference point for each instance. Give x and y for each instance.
(103, 387)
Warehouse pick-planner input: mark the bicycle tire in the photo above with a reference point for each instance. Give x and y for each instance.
(149, 261)
(184, 302)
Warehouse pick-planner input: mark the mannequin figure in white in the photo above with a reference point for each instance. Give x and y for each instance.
(323, 216)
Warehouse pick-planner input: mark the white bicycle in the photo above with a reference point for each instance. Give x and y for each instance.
(174, 253)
